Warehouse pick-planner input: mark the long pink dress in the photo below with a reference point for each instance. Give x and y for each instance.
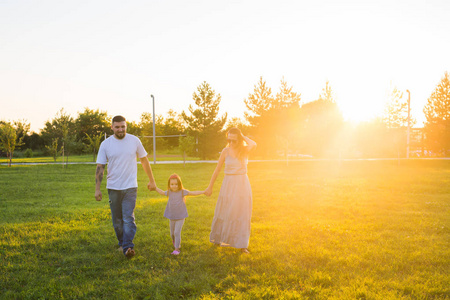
(233, 213)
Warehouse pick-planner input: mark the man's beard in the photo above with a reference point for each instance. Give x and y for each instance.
(120, 135)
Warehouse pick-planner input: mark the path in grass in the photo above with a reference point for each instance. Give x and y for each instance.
(322, 230)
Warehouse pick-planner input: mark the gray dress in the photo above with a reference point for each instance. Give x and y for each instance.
(232, 216)
(176, 208)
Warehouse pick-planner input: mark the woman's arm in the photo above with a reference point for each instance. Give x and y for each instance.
(208, 191)
(159, 191)
(251, 144)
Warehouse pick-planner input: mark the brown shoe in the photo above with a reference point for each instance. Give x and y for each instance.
(130, 253)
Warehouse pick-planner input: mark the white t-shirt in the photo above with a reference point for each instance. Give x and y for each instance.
(121, 158)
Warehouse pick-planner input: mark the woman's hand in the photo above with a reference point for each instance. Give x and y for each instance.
(208, 191)
(250, 143)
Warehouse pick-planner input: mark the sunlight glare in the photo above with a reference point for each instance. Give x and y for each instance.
(360, 111)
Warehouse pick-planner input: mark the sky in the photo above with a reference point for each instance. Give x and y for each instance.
(112, 55)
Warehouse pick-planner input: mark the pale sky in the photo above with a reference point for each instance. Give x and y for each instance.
(112, 55)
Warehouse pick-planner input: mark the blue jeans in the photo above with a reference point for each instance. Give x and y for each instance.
(122, 203)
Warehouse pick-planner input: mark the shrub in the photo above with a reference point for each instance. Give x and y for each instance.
(28, 153)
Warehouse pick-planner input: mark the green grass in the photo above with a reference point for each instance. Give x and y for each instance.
(320, 230)
(88, 158)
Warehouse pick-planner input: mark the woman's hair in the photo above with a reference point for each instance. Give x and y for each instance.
(174, 176)
(240, 146)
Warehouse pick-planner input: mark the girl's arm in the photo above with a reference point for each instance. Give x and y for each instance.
(251, 144)
(195, 193)
(160, 191)
(208, 191)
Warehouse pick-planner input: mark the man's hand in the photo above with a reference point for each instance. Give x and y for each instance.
(98, 195)
(151, 186)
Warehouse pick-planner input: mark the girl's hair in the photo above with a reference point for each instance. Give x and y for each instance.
(174, 176)
(240, 146)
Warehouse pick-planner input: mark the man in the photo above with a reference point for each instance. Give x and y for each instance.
(120, 151)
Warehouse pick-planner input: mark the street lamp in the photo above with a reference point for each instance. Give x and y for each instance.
(154, 135)
(409, 124)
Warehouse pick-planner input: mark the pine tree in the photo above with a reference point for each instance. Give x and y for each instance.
(321, 121)
(286, 98)
(203, 123)
(259, 102)
(327, 93)
(437, 113)
(272, 118)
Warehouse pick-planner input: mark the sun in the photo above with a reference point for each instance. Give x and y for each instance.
(360, 111)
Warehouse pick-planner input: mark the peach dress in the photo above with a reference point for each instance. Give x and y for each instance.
(232, 216)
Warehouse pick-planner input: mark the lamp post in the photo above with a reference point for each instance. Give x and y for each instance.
(154, 135)
(409, 124)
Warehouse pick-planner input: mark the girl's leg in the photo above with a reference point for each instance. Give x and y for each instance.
(177, 233)
(172, 230)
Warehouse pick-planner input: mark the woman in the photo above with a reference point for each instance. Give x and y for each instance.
(231, 223)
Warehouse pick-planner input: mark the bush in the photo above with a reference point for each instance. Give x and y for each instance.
(18, 154)
(28, 153)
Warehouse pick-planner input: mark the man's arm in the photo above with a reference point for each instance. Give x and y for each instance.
(148, 170)
(98, 181)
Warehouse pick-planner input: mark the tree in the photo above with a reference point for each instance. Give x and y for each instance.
(134, 128)
(327, 93)
(186, 145)
(22, 128)
(9, 140)
(286, 98)
(203, 123)
(320, 122)
(92, 122)
(54, 128)
(173, 125)
(34, 141)
(437, 114)
(271, 118)
(259, 102)
(396, 120)
(94, 144)
(238, 123)
(53, 149)
(63, 129)
(396, 111)
(146, 125)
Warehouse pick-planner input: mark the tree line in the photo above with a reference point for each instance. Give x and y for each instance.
(280, 123)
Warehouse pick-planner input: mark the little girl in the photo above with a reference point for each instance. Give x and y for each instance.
(176, 210)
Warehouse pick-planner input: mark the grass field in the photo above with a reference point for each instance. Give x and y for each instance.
(320, 230)
(88, 159)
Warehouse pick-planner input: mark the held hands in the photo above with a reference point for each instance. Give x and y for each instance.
(208, 191)
(151, 186)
